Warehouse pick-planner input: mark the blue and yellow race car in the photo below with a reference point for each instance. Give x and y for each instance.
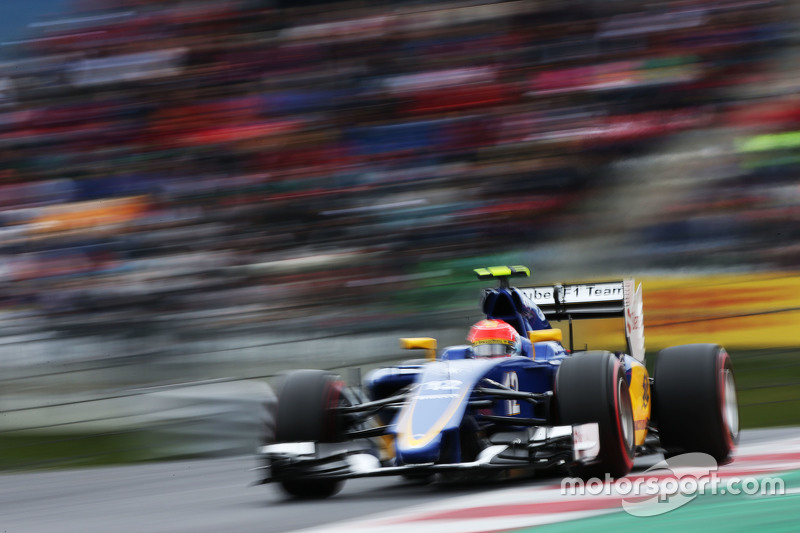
(513, 397)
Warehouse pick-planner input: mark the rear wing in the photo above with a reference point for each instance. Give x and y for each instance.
(608, 299)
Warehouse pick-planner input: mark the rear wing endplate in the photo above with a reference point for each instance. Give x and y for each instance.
(608, 299)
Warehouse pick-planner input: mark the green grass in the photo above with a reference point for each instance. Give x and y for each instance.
(768, 382)
(39, 450)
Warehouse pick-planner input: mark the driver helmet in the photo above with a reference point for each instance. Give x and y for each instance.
(494, 338)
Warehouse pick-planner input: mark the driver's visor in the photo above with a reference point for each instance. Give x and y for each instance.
(492, 350)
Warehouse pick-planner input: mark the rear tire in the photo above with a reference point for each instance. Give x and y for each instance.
(306, 403)
(694, 400)
(591, 387)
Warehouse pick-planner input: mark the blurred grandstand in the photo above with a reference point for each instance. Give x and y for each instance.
(248, 160)
(187, 183)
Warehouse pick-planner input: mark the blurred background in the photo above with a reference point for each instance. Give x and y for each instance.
(198, 194)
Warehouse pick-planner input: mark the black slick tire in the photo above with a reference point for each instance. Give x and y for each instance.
(695, 402)
(306, 403)
(591, 387)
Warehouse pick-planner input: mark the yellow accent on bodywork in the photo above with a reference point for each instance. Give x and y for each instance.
(641, 397)
(542, 335)
(502, 271)
(420, 343)
(405, 433)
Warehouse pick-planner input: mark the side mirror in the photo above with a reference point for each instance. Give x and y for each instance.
(541, 335)
(420, 343)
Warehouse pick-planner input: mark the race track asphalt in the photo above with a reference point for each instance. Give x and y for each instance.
(215, 495)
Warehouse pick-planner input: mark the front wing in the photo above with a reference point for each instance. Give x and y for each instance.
(535, 448)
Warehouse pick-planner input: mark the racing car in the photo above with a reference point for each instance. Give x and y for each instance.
(514, 397)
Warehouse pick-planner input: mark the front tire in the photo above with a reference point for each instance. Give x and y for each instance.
(591, 387)
(695, 402)
(306, 412)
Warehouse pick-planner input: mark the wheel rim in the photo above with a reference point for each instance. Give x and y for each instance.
(625, 414)
(730, 405)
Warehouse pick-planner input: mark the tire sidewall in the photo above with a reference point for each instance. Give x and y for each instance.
(690, 400)
(588, 389)
(306, 407)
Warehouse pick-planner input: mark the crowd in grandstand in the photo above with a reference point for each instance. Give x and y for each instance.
(175, 157)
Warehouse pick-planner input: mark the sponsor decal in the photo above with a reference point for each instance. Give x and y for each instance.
(584, 293)
(436, 396)
(511, 380)
(445, 384)
(493, 341)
